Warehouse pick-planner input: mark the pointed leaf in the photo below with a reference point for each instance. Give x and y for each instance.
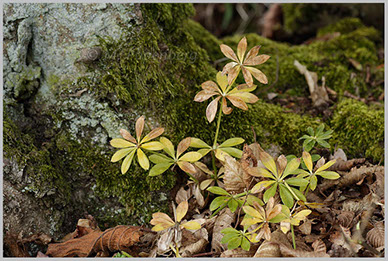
(126, 135)
(121, 143)
(245, 244)
(270, 192)
(286, 196)
(313, 182)
(268, 162)
(181, 210)
(232, 142)
(238, 102)
(232, 152)
(121, 154)
(234, 243)
(157, 158)
(252, 53)
(258, 74)
(261, 185)
(323, 143)
(233, 205)
(197, 143)
(217, 202)
(143, 160)
(307, 160)
(328, 174)
(245, 97)
(291, 168)
(247, 76)
(204, 95)
(187, 167)
(183, 146)
(297, 182)
(211, 109)
(210, 86)
(310, 131)
(326, 166)
(159, 169)
(191, 156)
(127, 162)
(192, 225)
(218, 191)
(139, 127)
(228, 52)
(153, 134)
(308, 144)
(206, 183)
(222, 81)
(299, 194)
(260, 59)
(241, 49)
(152, 145)
(203, 152)
(168, 147)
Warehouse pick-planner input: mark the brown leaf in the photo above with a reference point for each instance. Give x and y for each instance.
(228, 52)
(210, 86)
(211, 109)
(155, 133)
(268, 249)
(247, 76)
(139, 127)
(346, 219)
(343, 238)
(233, 176)
(40, 254)
(239, 252)
(241, 48)
(319, 246)
(223, 220)
(239, 103)
(232, 74)
(183, 146)
(305, 228)
(290, 252)
(225, 109)
(228, 67)
(127, 238)
(187, 167)
(252, 53)
(126, 135)
(14, 245)
(375, 236)
(257, 60)
(259, 75)
(204, 95)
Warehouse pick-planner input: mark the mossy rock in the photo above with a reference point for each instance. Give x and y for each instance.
(359, 129)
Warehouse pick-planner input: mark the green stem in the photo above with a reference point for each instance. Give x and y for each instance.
(214, 163)
(218, 128)
(293, 237)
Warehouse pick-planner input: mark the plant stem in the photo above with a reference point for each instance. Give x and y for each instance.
(293, 237)
(215, 141)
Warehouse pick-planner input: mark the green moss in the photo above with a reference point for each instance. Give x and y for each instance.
(359, 129)
(344, 26)
(329, 59)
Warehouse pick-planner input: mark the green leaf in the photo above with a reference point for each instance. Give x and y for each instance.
(319, 130)
(218, 191)
(197, 143)
(326, 135)
(290, 157)
(313, 182)
(203, 152)
(217, 202)
(291, 167)
(278, 218)
(251, 199)
(152, 145)
(229, 230)
(286, 196)
(233, 152)
(326, 166)
(315, 157)
(328, 174)
(298, 194)
(297, 182)
(157, 158)
(231, 142)
(159, 169)
(234, 243)
(305, 137)
(308, 144)
(270, 192)
(323, 143)
(310, 131)
(245, 244)
(233, 205)
(227, 237)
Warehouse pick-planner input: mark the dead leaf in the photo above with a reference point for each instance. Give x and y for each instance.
(290, 252)
(318, 94)
(319, 246)
(233, 176)
(375, 236)
(223, 220)
(343, 239)
(305, 228)
(268, 249)
(239, 252)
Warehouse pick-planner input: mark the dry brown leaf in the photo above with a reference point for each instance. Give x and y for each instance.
(375, 236)
(268, 249)
(239, 252)
(305, 228)
(139, 127)
(223, 220)
(346, 219)
(194, 242)
(319, 95)
(319, 246)
(183, 146)
(343, 238)
(342, 165)
(290, 252)
(233, 176)
(211, 109)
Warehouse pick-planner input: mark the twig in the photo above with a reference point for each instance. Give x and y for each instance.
(204, 254)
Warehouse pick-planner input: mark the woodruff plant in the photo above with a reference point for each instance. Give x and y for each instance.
(284, 177)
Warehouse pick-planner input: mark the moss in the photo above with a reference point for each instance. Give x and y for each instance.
(359, 129)
(329, 59)
(344, 26)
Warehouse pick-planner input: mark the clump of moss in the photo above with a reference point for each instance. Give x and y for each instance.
(329, 59)
(359, 129)
(344, 26)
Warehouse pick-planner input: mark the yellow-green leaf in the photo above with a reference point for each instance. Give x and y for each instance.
(159, 169)
(197, 143)
(270, 192)
(291, 167)
(181, 210)
(222, 81)
(127, 162)
(121, 143)
(168, 147)
(191, 225)
(252, 212)
(157, 158)
(326, 166)
(328, 174)
(233, 152)
(120, 154)
(268, 162)
(231, 142)
(206, 183)
(143, 160)
(191, 156)
(302, 214)
(203, 152)
(153, 145)
(261, 185)
(307, 160)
